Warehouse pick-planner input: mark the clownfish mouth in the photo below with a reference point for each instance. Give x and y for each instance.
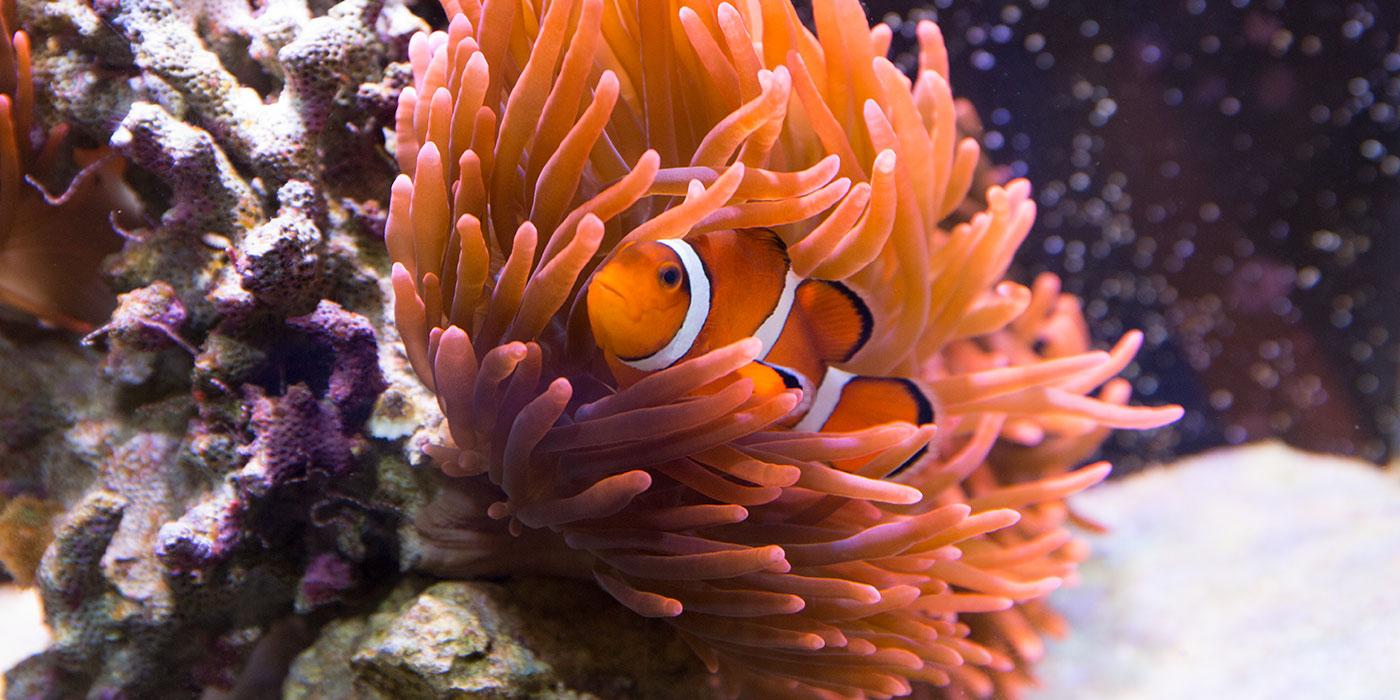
(619, 302)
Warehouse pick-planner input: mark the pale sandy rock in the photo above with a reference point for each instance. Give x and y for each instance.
(1257, 572)
(22, 632)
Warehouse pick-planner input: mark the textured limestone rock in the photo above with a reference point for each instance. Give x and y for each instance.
(530, 638)
(54, 416)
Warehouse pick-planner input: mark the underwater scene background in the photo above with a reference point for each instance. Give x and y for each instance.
(1224, 176)
(292, 403)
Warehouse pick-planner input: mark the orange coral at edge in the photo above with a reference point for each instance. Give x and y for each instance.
(51, 247)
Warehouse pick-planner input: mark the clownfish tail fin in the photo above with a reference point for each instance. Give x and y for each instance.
(845, 402)
(840, 320)
(848, 402)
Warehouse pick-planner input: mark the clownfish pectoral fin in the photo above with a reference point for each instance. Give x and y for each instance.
(839, 319)
(846, 402)
(768, 381)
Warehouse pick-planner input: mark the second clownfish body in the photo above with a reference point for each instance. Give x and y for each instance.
(659, 302)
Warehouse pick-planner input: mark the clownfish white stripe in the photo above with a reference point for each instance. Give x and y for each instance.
(695, 316)
(772, 327)
(824, 403)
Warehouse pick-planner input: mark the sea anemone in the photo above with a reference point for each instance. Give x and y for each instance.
(538, 138)
(51, 246)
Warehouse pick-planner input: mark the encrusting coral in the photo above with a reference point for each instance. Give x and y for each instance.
(51, 246)
(218, 479)
(538, 139)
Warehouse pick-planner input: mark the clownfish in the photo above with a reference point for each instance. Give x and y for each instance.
(656, 303)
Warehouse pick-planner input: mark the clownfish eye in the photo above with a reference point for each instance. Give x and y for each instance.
(670, 276)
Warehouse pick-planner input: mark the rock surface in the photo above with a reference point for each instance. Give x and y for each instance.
(529, 638)
(1258, 572)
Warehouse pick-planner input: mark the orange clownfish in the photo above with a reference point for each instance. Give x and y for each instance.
(659, 302)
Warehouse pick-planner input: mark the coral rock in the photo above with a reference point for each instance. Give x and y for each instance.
(535, 638)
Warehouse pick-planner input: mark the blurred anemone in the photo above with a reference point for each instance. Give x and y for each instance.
(537, 138)
(26, 529)
(51, 246)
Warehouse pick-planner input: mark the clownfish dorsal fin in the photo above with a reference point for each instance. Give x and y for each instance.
(840, 321)
(769, 238)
